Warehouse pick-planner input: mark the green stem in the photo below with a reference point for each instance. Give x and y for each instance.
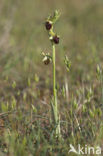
(54, 85)
(56, 117)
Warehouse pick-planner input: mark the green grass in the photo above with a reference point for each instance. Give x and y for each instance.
(26, 89)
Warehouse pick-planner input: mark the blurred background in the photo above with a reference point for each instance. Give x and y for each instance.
(23, 37)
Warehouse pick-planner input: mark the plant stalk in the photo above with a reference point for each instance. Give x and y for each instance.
(56, 115)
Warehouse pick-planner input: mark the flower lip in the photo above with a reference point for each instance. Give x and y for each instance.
(46, 60)
(48, 25)
(56, 39)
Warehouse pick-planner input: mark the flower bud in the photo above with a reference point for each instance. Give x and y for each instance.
(48, 25)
